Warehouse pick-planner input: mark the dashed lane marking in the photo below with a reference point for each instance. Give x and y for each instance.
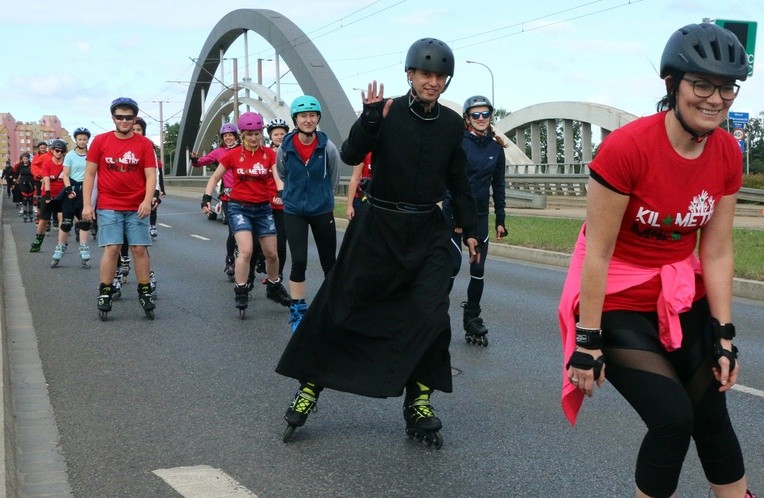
(203, 481)
(748, 390)
(199, 237)
(164, 225)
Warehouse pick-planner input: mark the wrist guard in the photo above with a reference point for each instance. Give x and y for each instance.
(719, 351)
(726, 331)
(371, 117)
(47, 195)
(588, 338)
(585, 361)
(68, 190)
(279, 193)
(206, 199)
(194, 160)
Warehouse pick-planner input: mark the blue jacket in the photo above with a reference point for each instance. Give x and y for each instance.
(308, 187)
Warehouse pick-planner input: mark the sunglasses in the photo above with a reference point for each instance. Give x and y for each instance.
(478, 115)
(58, 150)
(123, 117)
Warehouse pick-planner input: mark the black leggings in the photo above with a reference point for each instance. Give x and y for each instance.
(477, 268)
(676, 396)
(324, 234)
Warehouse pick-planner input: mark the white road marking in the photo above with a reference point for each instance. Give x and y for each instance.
(199, 237)
(748, 390)
(164, 225)
(202, 481)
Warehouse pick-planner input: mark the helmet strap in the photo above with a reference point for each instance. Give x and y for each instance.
(696, 137)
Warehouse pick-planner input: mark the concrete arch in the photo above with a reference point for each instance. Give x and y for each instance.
(606, 117)
(303, 58)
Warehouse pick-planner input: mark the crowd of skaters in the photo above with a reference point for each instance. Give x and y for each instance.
(378, 325)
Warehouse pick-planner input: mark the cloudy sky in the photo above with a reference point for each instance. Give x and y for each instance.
(73, 59)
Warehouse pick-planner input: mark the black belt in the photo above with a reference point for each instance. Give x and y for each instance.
(250, 204)
(401, 207)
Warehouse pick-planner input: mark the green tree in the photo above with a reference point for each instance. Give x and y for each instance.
(171, 132)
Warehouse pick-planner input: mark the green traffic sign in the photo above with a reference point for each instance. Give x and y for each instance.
(746, 33)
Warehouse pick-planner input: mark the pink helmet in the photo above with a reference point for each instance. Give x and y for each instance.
(251, 121)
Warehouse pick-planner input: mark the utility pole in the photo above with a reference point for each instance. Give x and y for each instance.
(161, 129)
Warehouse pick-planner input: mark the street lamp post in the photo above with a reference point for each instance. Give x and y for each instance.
(489, 70)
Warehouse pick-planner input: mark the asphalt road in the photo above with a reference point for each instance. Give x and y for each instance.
(196, 387)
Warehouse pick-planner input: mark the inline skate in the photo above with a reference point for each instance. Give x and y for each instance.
(85, 255)
(105, 292)
(124, 268)
(147, 300)
(58, 254)
(303, 404)
(37, 242)
(230, 267)
(275, 291)
(421, 422)
(241, 299)
(474, 329)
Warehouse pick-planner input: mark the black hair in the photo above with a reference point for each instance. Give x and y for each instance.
(673, 78)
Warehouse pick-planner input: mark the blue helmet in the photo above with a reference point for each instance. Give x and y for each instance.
(304, 103)
(124, 102)
(81, 131)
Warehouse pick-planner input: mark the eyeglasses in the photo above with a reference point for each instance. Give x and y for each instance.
(58, 150)
(705, 89)
(123, 117)
(478, 115)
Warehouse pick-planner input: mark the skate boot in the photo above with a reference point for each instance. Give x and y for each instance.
(296, 311)
(230, 267)
(116, 285)
(58, 254)
(421, 422)
(105, 292)
(146, 300)
(275, 291)
(303, 404)
(474, 329)
(85, 255)
(37, 242)
(260, 264)
(241, 299)
(153, 283)
(153, 231)
(124, 267)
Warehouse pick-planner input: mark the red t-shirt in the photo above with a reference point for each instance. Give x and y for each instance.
(253, 174)
(37, 162)
(670, 197)
(303, 150)
(365, 171)
(121, 164)
(56, 174)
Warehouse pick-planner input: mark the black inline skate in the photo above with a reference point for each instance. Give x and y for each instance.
(146, 298)
(275, 291)
(421, 422)
(241, 298)
(230, 267)
(124, 268)
(104, 300)
(37, 242)
(303, 404)
(474, 329)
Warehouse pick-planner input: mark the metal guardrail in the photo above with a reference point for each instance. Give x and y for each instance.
(755, 195)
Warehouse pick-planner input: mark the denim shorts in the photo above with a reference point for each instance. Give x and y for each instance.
(113, 226)
(255, 218)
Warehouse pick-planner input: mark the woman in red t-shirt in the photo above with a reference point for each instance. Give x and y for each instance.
(637, 301)
(249, 208)
(52, 184)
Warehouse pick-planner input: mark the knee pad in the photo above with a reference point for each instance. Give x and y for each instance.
(66, 225)
(84, 225)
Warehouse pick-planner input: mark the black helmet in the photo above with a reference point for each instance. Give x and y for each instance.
(432, 55)
(142, 123)
(476, 101)
(124, 102)
(705, 49)
(81, 131)
(58, 144)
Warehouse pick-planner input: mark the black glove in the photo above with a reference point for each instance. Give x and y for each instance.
(585, 361)
(206, 200)
(371, 117)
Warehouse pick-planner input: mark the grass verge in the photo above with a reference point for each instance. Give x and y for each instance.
(559, 235)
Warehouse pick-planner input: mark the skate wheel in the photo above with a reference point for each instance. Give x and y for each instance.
(53, 263)
(149, 314)
(436, 440)
(485, 342)
(103, 315)
(288, 433)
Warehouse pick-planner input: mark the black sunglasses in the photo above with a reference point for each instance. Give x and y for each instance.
(123, 117)
(478, 115)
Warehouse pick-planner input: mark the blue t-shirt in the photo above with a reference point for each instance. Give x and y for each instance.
(76, 165)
